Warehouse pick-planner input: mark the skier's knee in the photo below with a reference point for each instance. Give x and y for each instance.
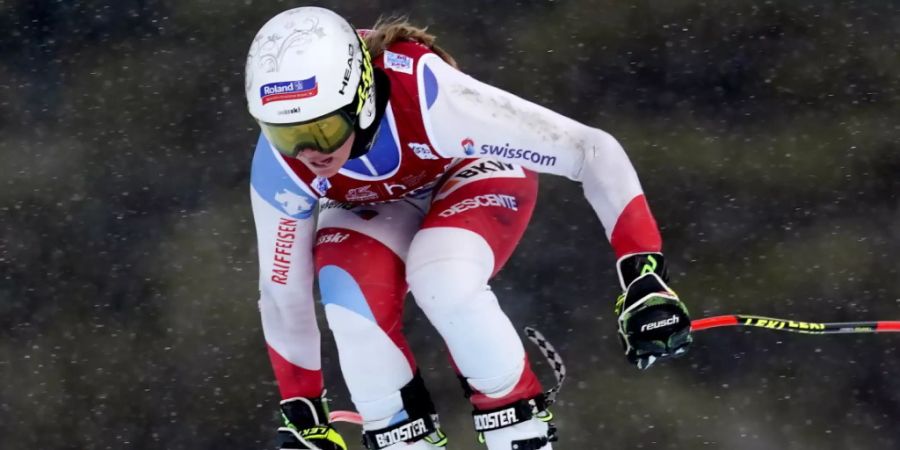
(447, 266)
(443, 287)
(345, 323)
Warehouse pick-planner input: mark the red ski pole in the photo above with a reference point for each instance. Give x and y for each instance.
(794, 326)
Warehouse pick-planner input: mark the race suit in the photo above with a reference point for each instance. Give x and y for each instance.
(435, 207)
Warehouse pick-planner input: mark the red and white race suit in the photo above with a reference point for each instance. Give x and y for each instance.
(436, 207)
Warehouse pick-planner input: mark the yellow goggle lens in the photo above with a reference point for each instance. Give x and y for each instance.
(324, 135)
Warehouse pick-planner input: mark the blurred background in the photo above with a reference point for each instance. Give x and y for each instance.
(765, 134)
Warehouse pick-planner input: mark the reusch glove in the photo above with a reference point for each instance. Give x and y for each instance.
(306, 426)
(653, 322)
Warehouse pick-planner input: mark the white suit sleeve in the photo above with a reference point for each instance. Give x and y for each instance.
(285, 227)
(467, 118)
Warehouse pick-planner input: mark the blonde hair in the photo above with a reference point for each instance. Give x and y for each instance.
(394, 29)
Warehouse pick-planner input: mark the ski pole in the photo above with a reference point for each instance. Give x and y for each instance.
(345, 416)
(794, 326)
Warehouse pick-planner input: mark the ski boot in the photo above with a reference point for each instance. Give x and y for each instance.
(306, 426)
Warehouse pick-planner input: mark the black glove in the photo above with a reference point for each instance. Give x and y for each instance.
(653, 323)
(306, 426)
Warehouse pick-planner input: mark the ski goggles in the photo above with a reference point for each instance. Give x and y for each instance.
(324, 135)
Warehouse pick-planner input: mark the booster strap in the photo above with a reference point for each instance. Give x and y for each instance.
(421, 421)
(509, 415)
(409, 430)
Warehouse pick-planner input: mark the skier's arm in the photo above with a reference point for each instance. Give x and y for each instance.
(467, 118)
(283, 213)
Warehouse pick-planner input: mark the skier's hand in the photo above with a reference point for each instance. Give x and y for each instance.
(653, 322)
(306, 426)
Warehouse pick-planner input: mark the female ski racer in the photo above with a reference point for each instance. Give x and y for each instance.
(383, 169)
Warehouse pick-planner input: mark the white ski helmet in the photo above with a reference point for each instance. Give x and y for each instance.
(309, 77)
